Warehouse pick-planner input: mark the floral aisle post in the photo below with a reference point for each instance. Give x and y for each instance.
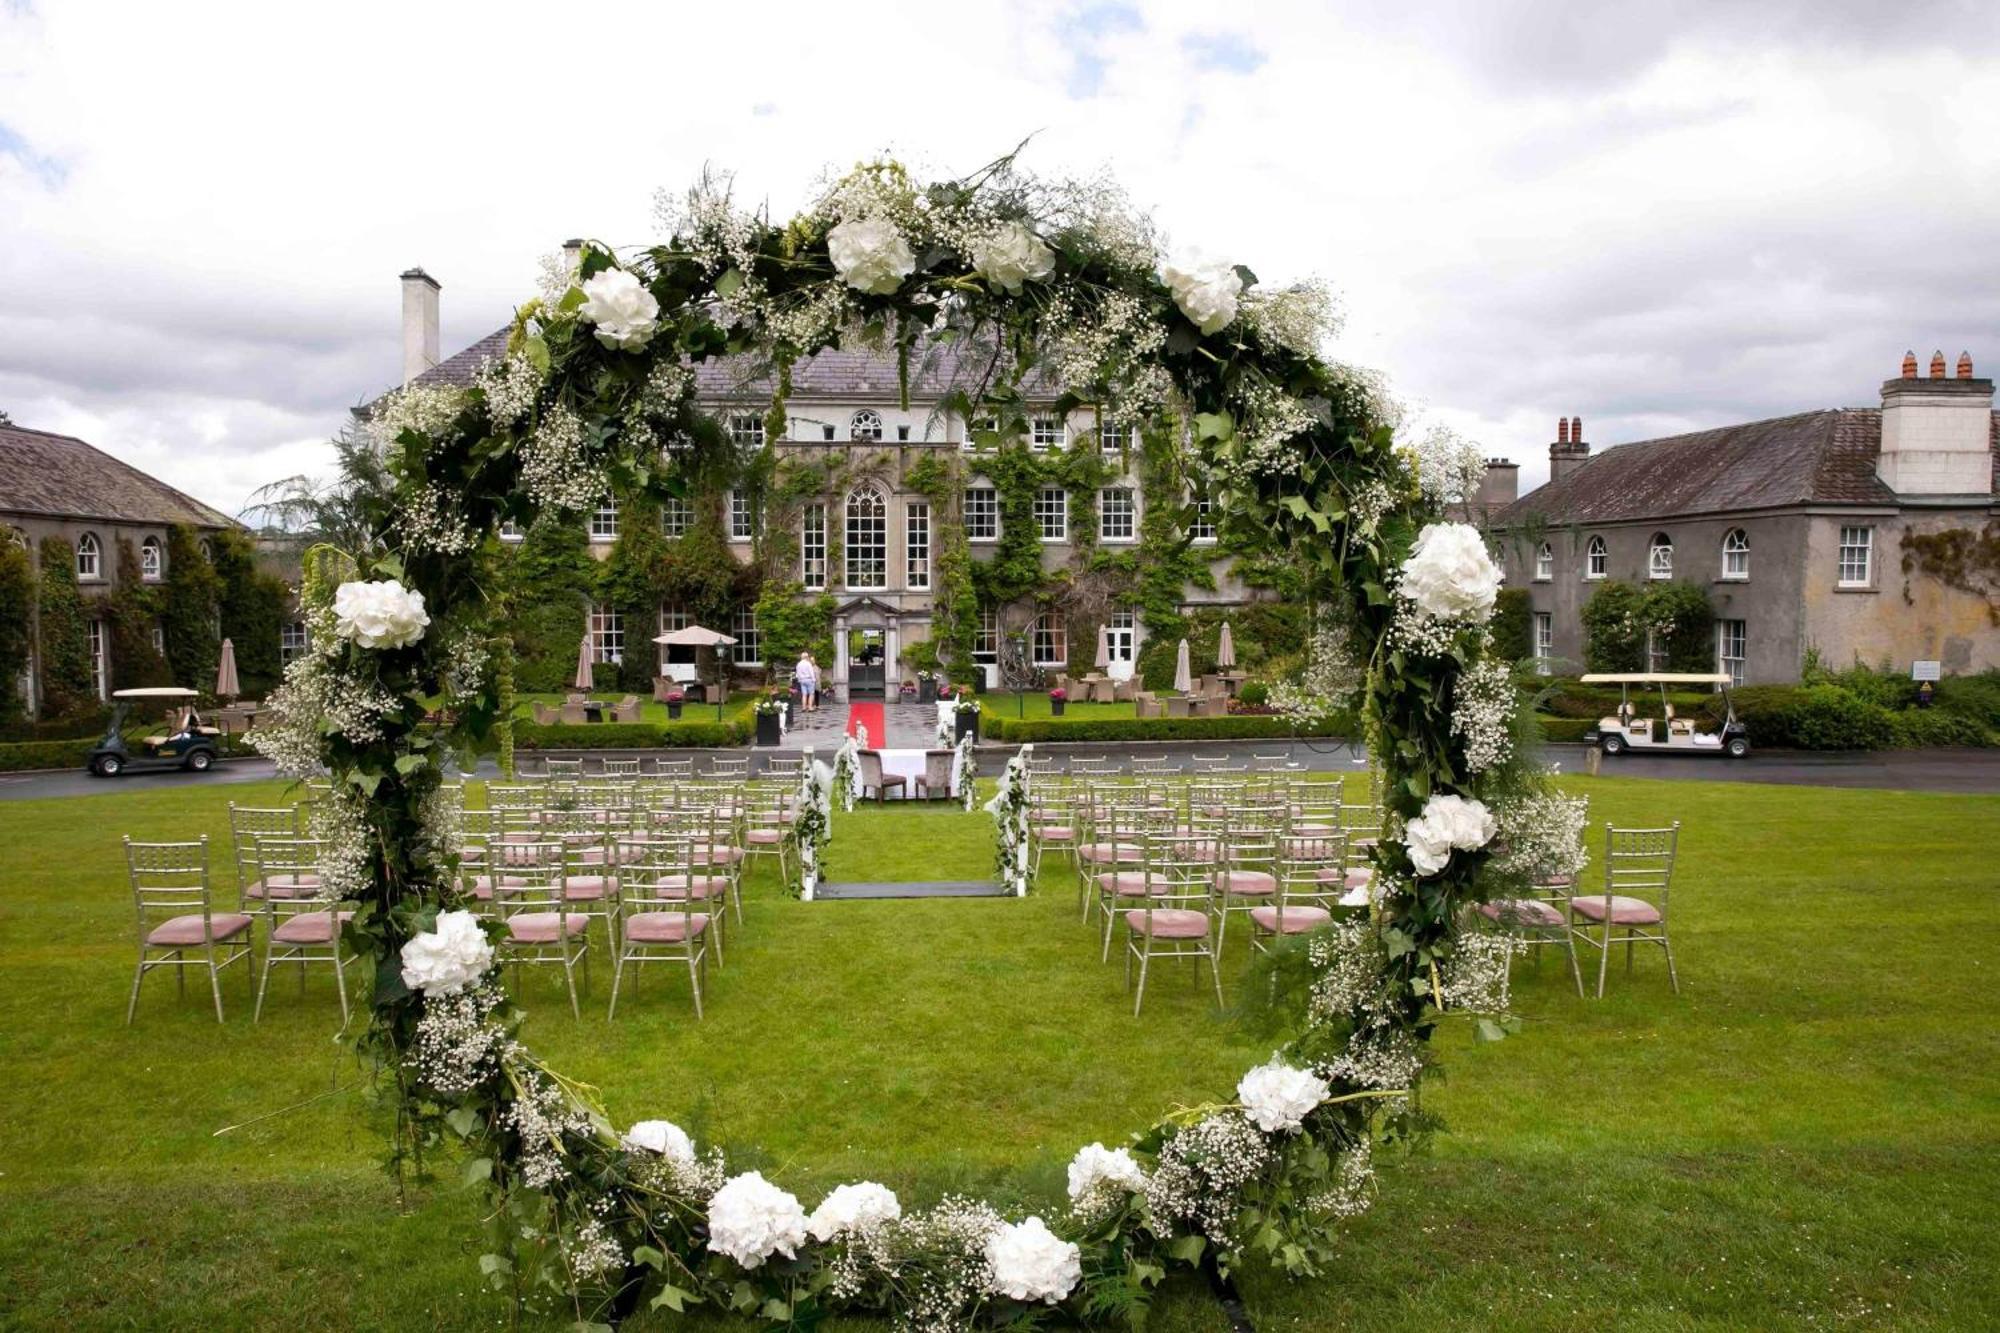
(1025, 278)
(847, 772)
(1009, 808)
(967, 765)
(812, 826)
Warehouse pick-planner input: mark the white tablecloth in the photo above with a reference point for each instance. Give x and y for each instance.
(910, 764)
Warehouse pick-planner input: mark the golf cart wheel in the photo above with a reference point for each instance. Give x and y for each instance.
(1736, 747)
(107, 765)
(201, 761)
(1614, 745)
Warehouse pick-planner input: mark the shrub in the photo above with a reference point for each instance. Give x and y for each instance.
(1976, 697)
(1512, 616)
(1254, 694)
(1564, 730)
(17, 604)
(1683, 625)
(1916, 727)
(1234, 727)
(67, 685)
(190, 603)
(1614, 629)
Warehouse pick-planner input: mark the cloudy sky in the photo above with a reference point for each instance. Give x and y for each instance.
(1655, 216)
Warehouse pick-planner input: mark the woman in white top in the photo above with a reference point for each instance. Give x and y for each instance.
(806, 676)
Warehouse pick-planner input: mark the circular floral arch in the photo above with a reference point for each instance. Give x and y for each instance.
(1015, 278)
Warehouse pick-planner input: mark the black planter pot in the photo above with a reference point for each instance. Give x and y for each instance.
(767, 729)
(674, 712)
(926, 691)
(968, 724)
(1056, 707)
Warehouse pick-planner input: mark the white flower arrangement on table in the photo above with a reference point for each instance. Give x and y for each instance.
(1448, 823)
(379, 613)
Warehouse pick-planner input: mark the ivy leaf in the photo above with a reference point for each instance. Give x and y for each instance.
(493, 1265)
(672, 1298)
(478, 1171)
(407, 764)
(1489, 1030)
(1215, 426)
(536, 349)
(1249, 278)
(572, 300)
(463, 1121)
(1188, 1249)
(729, 283)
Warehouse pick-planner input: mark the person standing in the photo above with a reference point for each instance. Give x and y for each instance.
(806, 676)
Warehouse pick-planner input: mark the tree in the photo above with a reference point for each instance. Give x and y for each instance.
(336, 510)
(1512, 617)
(253, 605)
(1614, 628)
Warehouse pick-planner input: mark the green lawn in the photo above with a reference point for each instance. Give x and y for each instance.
(1035, 704)
(1806, 1138)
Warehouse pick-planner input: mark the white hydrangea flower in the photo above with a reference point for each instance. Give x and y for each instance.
(1447, 822)
(1206, 292)
(1277, 1097)
(1032, 1263)
(870, 255)
(750, 1219)
(854, 1208)
(625, 313)
(1096, 1167)
(447, 959)
(1010, 255)
(1449, 575)
(380, 614)
(663, 1137)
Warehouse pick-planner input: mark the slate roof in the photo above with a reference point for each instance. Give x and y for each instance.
(1825, 457)
(61, 476)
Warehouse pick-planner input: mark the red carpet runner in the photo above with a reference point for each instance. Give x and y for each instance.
(869, 714)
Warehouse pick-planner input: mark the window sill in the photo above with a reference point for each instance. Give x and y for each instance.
(1855, 587)
(1734, 578)
(603, 541)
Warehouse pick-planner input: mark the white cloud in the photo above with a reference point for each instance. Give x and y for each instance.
(1701, 217)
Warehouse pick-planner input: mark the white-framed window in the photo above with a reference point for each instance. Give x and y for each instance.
(1045, 431)
(675, 515)
(604, 521)
(1113, 436)
(1052, 513)
(1732, 647)
(902, 434)
(988, 426)
(160, 637)
(749, 649)
(1656, 651)
(746, 429)
(1048, 644)
(865, 425)
(1595, 559)
(812, 547)
(293, 641)
(1736, 554)
(1660, 557)
(1545, 640)
(100, 666)
(982, 514)
(1201, 528)
(510, 530)
(986, 639)
(152, 560)
(1121, 635)
(1545, 563)
(742, 517)
(607, 634)
(917, 545)
(89, 557)
(1857, 557)
(1117, 514)
(674, 616)
(867, 539)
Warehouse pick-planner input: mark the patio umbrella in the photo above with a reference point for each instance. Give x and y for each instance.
(1103, 647)
(1183, 675)
(697, 636)
(585, 678)
(226, 686)
(1225, 649)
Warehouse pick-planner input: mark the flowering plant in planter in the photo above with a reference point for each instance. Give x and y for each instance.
(1058, 695)
(964, 700)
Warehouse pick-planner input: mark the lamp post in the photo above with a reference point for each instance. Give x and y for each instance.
(1020, 674)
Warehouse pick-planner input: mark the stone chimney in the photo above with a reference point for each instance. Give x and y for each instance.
(1937, 433)
(420, 323)
(572, 254)
(1499, 487)
(1569, 451)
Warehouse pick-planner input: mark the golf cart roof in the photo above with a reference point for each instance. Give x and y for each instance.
(156, 692)
(1656, 678)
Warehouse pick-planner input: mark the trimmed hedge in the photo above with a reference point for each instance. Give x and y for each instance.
(633, 735)
(1565, 730)
(1240, 727)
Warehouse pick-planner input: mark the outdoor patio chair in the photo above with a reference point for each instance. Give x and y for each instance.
(1125, 691)
(765, 832)
(1638, 872)
(935, 784)
(301, 930)
(1146, 704)
(545, 716)
(1175, 912)
(177, 918)
(659, 921)
(573, 714)
(626, 711)
(542, 927)
(875, 780)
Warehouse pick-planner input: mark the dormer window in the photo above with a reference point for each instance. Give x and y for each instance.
(865, 425)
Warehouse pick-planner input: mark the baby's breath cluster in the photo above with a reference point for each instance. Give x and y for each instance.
(1202, 1172)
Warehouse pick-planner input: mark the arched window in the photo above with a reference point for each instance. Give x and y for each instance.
(866, 425)
(1736, 554)
(89, 557)
(1594, 559)
(867, 539)
(152, 560)
(1545, 563)
(1660, 557)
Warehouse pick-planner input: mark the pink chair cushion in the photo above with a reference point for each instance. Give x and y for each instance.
(1307, 849)
(664, 927)
(1623, 911)
(765, 837)
(303, 885)
(309, 928)
(1246, 883)
(1556, 882)
(1055, 832)
(1125, 883)
(1354, 877)
(545, 927)
(1523, 912)
(1123, 853)
(1169, 923)
(588, 888)
(1314, 829)
(721, 854)
(1293, 921)
(676, 886)
(182, 930)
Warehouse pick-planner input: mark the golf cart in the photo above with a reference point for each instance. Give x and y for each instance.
(183, 741)
(1666, 734)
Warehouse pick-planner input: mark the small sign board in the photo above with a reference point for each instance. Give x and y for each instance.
(1926, 671)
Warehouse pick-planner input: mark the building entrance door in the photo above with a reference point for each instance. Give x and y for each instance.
(867, 663)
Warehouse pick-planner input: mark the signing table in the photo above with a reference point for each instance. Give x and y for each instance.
(909, 764)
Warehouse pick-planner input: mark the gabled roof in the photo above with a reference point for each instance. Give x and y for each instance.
(1825, 457)
(61, 476)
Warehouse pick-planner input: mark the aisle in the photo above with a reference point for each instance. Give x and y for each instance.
(870, 714)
